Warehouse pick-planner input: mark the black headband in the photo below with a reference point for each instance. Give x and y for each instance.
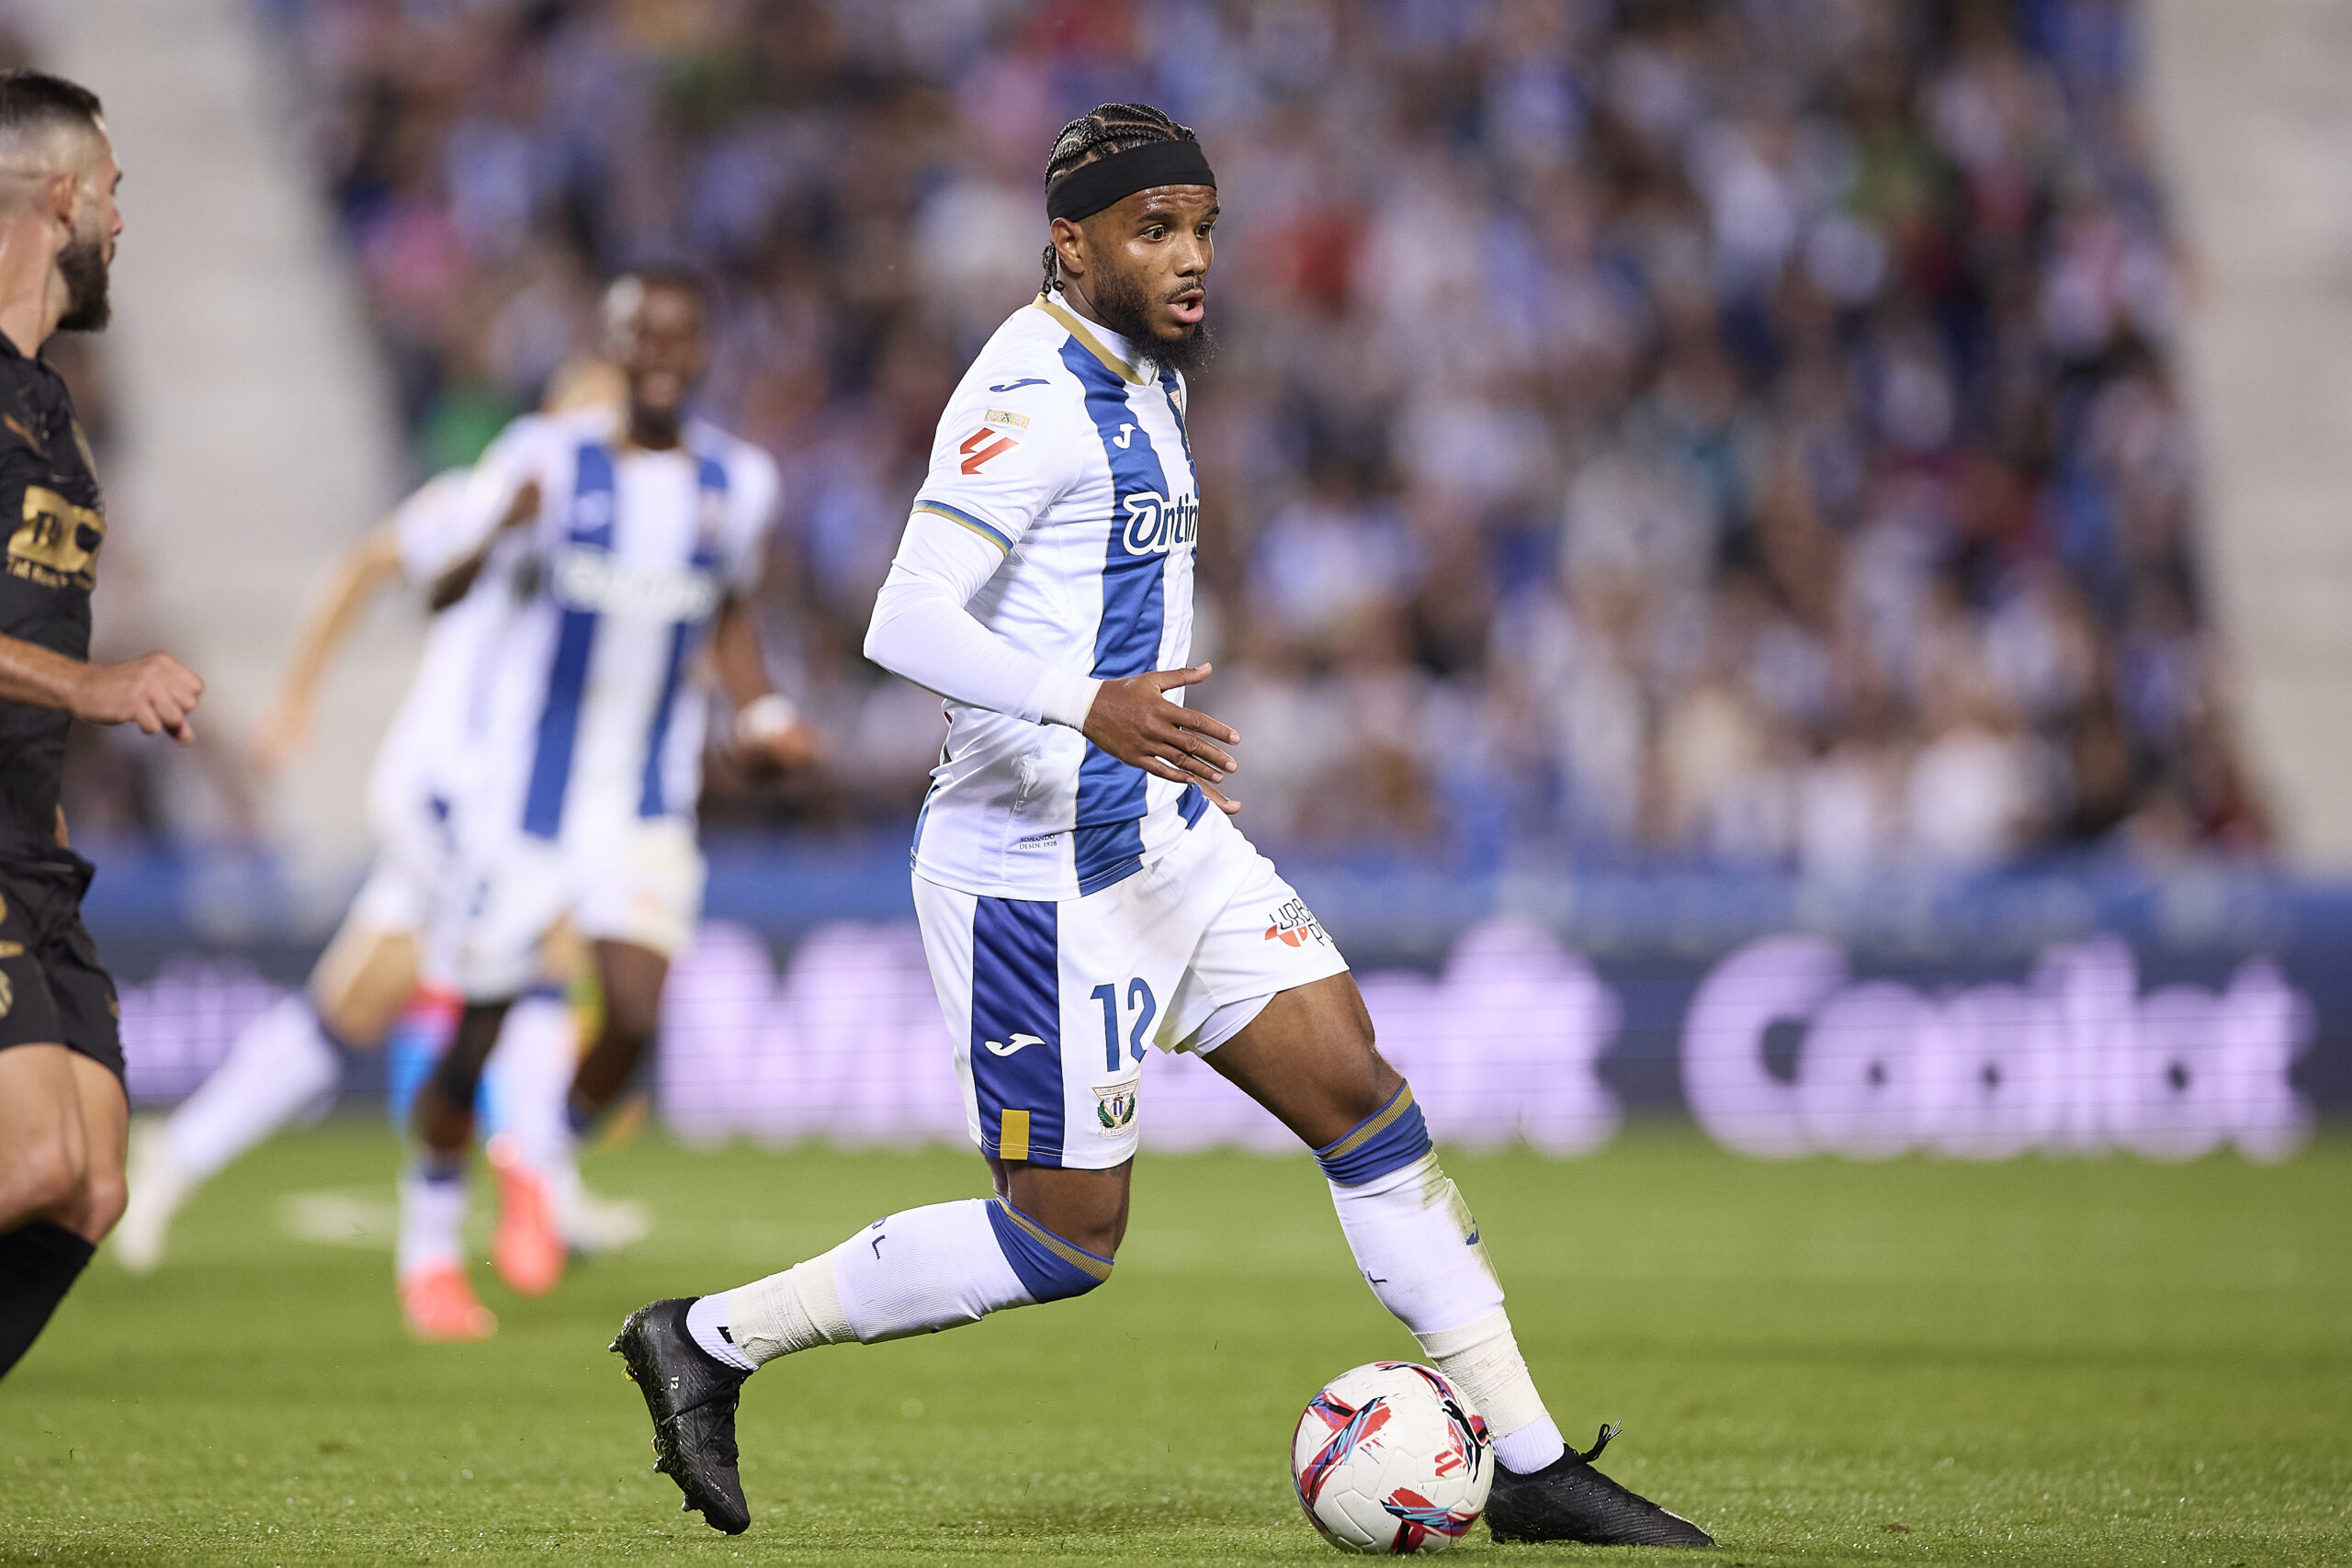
(1088, 188)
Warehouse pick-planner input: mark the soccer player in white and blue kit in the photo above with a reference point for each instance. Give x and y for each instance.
(366, 985)
(1082, 893)
(647, 530)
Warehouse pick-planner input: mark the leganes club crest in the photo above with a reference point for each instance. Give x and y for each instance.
(1114, 1105)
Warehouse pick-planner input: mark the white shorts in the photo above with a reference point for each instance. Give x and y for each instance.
(640, 884)
(1052, 1002)
(415, 857)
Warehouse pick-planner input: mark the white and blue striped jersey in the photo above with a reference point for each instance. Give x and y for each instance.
(413, 764)
(1065, 452)
(582, 721)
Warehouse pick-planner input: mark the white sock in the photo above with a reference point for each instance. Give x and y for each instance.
(1417, 1246)
(1421, 1252)
(433, 1221)
(1532, 1447)
(279, 1065)
(916, 1272)
(710, 1321)
(529, 1075)
(752, 1325)
(1482, 1360)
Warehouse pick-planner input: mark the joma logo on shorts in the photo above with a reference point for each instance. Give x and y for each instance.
(1157, 524)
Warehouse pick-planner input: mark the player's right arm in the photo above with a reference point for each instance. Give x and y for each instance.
(333, 610)
(156, 692)
(971, 515)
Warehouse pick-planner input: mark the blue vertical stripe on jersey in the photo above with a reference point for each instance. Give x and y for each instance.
(1016, 1006)
(1107, 842)
(591, 528)
(1176, 410)
(710, 497)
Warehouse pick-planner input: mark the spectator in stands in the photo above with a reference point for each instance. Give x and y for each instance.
(1667, 429)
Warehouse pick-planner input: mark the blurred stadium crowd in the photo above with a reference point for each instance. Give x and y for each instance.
(1717, 433)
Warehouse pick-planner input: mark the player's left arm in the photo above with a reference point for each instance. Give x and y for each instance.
(768, 726)
(769, 730)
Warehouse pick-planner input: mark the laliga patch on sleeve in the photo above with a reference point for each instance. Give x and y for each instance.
(983, 445)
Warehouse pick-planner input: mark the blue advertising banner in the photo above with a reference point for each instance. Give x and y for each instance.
(2058, 1014)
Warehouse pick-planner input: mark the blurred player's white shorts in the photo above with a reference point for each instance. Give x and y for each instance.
(415, 858)
(639, 881)
(1051, 1003)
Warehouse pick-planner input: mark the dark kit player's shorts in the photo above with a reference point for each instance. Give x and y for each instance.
(53, 990)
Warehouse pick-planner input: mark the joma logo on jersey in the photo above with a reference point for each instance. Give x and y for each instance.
(57, 543)
(1157, 524)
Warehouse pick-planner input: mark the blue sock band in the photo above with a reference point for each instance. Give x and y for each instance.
(434, 1166)
(1052, 1268)
(1389, 1139)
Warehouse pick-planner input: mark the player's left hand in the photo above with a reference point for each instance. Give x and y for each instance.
(784, 751)
(771, 736)
(1133, 720)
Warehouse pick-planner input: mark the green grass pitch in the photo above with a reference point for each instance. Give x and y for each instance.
(2102, 1361)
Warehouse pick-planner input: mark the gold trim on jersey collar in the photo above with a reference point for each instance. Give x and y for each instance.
(1092, 344)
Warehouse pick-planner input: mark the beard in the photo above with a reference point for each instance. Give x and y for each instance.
(82, 265)
(1119, 301)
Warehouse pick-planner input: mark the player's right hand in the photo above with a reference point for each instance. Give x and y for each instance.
(1134, 722)
(156, 693)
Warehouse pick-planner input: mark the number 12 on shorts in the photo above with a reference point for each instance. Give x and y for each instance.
(1141, 1003)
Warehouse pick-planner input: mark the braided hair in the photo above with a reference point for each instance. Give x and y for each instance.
(1099, 132)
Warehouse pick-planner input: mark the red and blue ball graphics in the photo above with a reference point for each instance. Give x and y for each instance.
(1391, 1457)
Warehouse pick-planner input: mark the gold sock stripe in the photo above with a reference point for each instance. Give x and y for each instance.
(1076, 1257)
(1373, 1125)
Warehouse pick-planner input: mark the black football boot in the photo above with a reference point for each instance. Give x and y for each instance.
(1569, 1500)
(691, 1395)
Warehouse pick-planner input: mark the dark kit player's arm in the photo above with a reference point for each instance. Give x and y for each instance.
(156, 692)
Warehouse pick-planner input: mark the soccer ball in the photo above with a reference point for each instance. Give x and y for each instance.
(1390, 1457)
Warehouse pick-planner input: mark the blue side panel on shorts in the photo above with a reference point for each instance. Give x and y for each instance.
(1191, 805)
(711, 476)
(1017, 1010)
(1108, 841)
(591, 528)
(1051, 1269)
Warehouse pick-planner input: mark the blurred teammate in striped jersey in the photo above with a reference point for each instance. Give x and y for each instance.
(371, 985)
(631, 540)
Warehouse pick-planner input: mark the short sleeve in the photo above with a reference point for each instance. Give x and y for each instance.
(995, 466)
(753, 490)
(429, 526)
(453, 523)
